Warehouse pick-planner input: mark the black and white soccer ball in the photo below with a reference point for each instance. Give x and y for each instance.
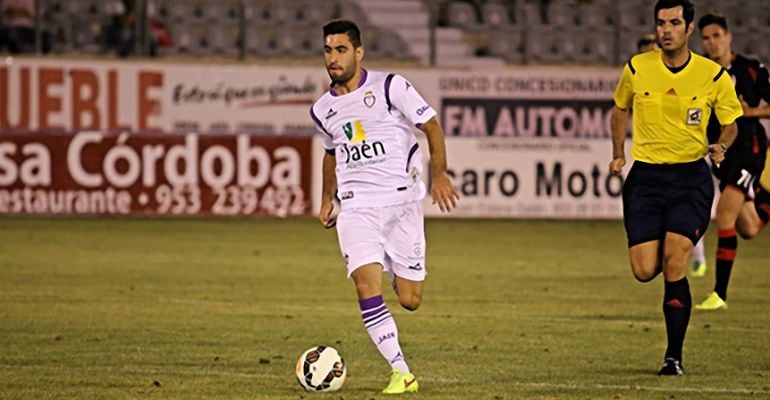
(321, 369)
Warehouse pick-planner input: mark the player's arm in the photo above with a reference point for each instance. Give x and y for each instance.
(441, 189)
(754, 112)
(328, 174)
(763, 88)
(405, 98)
(758, 112)
(328, 190)
(619, 119)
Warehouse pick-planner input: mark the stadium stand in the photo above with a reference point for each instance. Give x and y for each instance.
(468, 32)
(585, 31)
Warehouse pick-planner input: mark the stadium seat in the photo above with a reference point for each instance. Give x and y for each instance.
(461, 14)
(272, 40)
(278, 11)
(390, 45)
(306, 42)
(180, 12)
(594, 15)
(375, 44)
(200, 43)
(629, 39)
(494, 14)
(635, 17)
(546, 46)
(220, 11)
(182, 39)
(312, 13)
(561, 13)
(508, 43)
(85, 35)
(223, 39)
(594, 46)
(528, 13)
(581, 31)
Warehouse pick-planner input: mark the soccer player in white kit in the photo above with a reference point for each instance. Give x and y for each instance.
(373, 165)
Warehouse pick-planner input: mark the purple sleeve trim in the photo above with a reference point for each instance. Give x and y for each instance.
(364, 75)
(318, 121)
(388, 81)
(411, 153)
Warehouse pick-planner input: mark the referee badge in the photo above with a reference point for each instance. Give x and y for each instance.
(694, 116)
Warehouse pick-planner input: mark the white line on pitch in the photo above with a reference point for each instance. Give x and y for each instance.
(443, 381)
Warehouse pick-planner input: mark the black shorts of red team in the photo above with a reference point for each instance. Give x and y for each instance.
(744, 160)
(660, 198)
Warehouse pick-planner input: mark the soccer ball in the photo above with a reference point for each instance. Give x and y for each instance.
(321, 369)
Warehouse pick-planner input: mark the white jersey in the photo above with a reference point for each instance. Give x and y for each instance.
(369, 130)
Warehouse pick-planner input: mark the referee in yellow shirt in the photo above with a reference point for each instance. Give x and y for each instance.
(668, 193)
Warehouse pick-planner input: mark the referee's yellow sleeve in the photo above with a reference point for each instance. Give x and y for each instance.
(624, 92)
(727, 107)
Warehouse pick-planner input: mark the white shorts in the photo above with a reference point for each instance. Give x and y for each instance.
(392, 236)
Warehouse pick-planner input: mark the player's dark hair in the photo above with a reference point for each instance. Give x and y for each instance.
(646, 39)
(339, 26)
(688, 11)
(712, 18)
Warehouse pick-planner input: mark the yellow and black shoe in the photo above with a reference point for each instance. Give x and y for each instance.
(713, 302)
(401, 383)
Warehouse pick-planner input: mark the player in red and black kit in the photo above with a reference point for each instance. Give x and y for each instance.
(737, 212)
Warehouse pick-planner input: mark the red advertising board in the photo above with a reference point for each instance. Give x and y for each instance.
(100, 173)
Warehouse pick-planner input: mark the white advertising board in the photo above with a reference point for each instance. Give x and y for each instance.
(521, 178)
(144, 96)
(532, 178)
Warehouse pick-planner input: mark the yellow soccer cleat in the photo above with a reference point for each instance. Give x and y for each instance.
(698, 269)
(713, 302)
(401, 383)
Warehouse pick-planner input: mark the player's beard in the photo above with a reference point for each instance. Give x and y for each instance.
(343, 78)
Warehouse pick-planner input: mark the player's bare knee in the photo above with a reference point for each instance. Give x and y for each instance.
(645, 276)
(748, 232)
(367, 289)
(410, 305)
(643, 272)
(410, 301)
(676, 258)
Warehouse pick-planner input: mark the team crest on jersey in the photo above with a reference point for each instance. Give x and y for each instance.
(354, 131)
(694, 116)
(369, 99)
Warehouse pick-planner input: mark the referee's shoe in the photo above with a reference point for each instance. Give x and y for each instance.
(671, 367)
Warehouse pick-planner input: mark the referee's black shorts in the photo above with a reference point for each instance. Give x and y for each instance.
(660, 198)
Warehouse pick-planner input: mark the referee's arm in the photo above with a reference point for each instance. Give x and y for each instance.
(618, 126)
(727, 109)
(623, 97)
(726, 138)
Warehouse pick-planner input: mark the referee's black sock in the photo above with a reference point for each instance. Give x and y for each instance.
(677, 305)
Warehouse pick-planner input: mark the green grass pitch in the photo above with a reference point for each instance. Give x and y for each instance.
(221, 309)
